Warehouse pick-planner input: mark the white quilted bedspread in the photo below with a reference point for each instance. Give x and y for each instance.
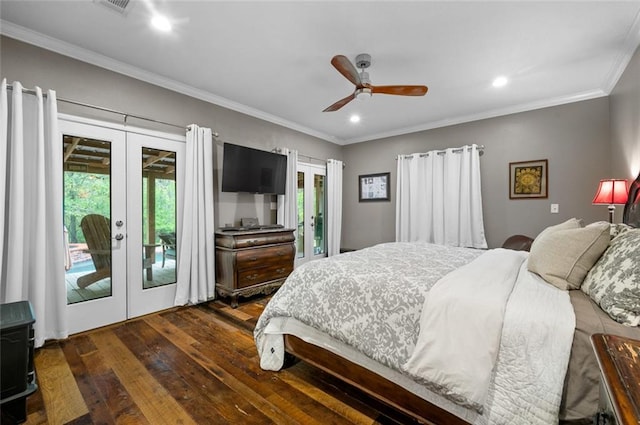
(461, 327)
(527, 382)
(372, 300)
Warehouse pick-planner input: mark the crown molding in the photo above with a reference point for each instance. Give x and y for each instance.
(28, 36)
(524, 107)
(631, 43)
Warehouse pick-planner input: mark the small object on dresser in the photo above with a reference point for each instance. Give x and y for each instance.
(619, 361)
(249, 222)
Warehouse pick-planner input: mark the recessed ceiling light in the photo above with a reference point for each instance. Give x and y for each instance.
(500, 81)
(161, 23)
(354, 118)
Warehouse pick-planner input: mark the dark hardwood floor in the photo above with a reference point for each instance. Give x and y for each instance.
(190, 365)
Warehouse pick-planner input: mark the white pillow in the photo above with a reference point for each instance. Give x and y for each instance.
(564, 257)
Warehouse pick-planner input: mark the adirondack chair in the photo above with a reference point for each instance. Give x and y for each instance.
(168, 246)
(97, 233)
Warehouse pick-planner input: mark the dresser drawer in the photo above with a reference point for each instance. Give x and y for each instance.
(263, 274)
(247, 240)
(264, 257)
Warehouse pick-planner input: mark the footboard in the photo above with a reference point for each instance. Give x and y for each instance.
(371, 383)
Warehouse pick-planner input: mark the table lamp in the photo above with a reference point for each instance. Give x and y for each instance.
(611, 192)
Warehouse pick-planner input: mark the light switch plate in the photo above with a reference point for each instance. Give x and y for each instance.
(555, 208)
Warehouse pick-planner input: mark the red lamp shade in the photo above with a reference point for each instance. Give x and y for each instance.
(611, 191)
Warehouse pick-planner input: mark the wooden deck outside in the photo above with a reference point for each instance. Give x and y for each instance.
(102, 288)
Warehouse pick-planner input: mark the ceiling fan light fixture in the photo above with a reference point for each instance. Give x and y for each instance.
(363, 93)
(500, 81)
(364, 89)
(161, 23)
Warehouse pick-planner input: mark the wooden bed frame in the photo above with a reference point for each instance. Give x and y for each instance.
(370, 383)
(390, 393)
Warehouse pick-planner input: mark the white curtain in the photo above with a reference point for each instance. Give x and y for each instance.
(287, 203)
(439, 198)
(31, 236)
(334, 206)
(196, 246)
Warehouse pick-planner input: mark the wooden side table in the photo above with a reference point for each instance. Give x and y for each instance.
(619, 361)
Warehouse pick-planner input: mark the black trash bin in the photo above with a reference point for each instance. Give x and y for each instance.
(17, 374)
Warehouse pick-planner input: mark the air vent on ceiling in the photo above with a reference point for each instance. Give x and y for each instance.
(116, 5)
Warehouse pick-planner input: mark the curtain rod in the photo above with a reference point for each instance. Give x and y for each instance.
(442, 152)
(102, 108)
(279, 150)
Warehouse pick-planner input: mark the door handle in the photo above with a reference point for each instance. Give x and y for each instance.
(119, 237)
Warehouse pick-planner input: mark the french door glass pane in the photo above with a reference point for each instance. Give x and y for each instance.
(300, 239)
(319, 214)
(87, 212)
(159, 249)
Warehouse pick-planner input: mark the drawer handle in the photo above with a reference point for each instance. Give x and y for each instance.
(253, 259)
(253, 276)
(281, 270)
(254, 241)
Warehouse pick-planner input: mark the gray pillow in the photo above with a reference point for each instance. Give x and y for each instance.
(564, 257)
(572, 223)
(614, 281)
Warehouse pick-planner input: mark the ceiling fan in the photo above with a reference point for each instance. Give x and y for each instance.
(364, 89)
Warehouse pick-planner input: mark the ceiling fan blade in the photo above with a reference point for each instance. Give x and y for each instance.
(400, 90)
(346, 68)
(339, 104)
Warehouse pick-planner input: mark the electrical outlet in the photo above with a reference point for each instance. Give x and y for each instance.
(555, 208)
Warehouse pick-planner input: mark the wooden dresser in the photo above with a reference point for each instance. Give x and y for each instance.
(250, 262)
(619, 361)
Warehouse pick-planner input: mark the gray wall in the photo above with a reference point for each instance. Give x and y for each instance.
(573, 137)
(83, 82)
(584, 142)
(625, 123)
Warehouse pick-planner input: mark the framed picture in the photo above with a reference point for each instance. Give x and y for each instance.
(373, 187)
(528, 179)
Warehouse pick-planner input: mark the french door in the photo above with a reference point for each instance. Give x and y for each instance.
(120, 217)
(311, 199)
(152, 200)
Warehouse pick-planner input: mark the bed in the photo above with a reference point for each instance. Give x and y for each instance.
(463, 336)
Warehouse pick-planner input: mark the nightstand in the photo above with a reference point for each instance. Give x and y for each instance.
(619, 361)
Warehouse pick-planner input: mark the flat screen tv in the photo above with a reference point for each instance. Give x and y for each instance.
(253, 170)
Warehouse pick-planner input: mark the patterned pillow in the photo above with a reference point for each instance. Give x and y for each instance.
(614, 281)
(618, 228)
